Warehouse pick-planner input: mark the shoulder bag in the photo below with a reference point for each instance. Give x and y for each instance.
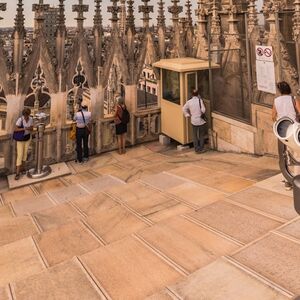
(20, 136)
(87, 126)
(203, 116)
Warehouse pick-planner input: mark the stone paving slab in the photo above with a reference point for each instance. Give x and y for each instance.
(63, 243)
(134, 163)
(196, 194)
(221, 281)
(159, 167)
(152, 204)
(99, 184)
(164, 295)
(56, 216)
(267, 201)
(47, 186)
(19, 260)
(275, 184)
(139, 151)
(67, 194)
(65, 281)
(237, 222)
(115, 223)
(32, 204)
(187, 244)
(132, 175)
(4, 293)
(58, 170)
(292, 229)
(163, 181)
(108, 170)
(18, 194)
(226, 183)
(131, 191)
(13, 229)
(168, 212)
(276, 258)
(5, 212)
(78, 178)
(129, 270)
(91, 204)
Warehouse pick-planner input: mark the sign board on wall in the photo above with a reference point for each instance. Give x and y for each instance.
(265, 69)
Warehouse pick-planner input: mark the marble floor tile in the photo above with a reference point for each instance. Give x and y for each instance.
(47, 186)
(18, 194)
(132, 191)
(221, 281)
(56, 216)
(237, 222)
(139, 151)
(267, 201)
(164, 295)
(159, 167)
(65, 281)
(187, 244)
(115, 223)
(132, 175)
(156, 158)
(63, 243)
(5, 212)
(19, 260)
(100, 184)
(129, 270)
(78, 178)
(133, 163)
(32, 204)
(163, 181)
(13, 229)
(93, 203)
(67, 194)
(276, 258)
(292, 229)
(196, 194)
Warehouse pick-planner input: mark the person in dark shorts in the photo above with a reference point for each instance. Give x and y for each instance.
(121, 128)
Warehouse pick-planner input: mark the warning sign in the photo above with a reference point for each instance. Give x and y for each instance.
(265, 69)
(264, 53)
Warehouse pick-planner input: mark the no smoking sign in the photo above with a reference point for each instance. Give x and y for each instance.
(264, 53)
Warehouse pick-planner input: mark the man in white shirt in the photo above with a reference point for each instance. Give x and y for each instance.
(83, 125)
(195, 109)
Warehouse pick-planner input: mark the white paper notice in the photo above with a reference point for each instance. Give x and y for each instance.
(265, 69)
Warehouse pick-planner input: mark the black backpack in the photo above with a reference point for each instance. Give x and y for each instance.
(125, 116)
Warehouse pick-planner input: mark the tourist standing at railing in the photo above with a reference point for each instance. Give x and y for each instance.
(121, 120)
(195, 109)
(286, 105)
(83, 127)
(22, 134)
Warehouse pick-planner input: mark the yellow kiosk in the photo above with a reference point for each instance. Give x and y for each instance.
(178, 77)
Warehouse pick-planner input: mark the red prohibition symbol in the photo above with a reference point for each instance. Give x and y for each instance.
(260, 51)
(268, 52)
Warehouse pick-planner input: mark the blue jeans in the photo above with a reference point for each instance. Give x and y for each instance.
(198, 137)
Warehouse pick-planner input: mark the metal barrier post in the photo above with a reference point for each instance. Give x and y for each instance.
(296, 192)
(40, 170)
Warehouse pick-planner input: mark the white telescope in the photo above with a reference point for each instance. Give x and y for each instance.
(288, 132)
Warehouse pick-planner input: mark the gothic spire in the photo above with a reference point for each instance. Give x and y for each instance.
(39, 10)
(161, 19)
(61, 16)
(19, 19)
(130, 16)
(122, 19)
(80, 8)
(296, 21)
(252, 15)
(114, 9)
(215, 27)
(97, 16)
(146, 10)
(189, 18)
(2, 8)
(175, 10)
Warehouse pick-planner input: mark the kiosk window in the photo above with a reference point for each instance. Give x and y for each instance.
(203, 84)
(171, 86)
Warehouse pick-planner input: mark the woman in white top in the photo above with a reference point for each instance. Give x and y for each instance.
(286, 106)
(24, 123)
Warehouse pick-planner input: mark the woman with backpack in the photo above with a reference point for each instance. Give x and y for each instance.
(22, 134)
(121, 120)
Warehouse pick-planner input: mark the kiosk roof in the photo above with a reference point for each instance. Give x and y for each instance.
(185, 64)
